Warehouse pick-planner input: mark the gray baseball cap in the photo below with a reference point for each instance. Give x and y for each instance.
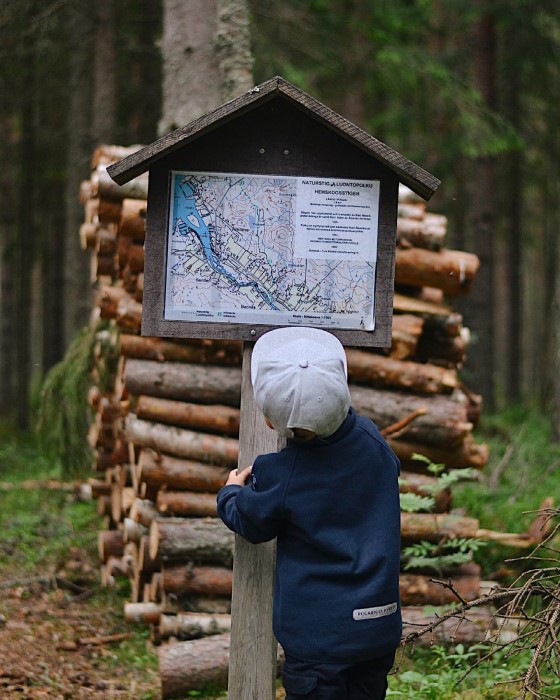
(299, 379)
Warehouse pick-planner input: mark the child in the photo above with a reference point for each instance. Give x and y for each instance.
(331, 498)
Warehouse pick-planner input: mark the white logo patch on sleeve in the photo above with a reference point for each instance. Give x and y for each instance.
(369, 613)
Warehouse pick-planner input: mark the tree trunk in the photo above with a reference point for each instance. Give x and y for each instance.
(183, 443)
(192, 625)
(432, 527)
(191, 77)
(174, 473)
(212, 419)
(191, 665)
(376, 370)
(451, 271)
(211, 352)
(444, 423)
(468, 454)
(104, 73)
(201, 580)
(186, 504)
(187, 382)
(205, 540)
(26, 235)
(77, 293)
(418, 589)
(233, 48)
(481, 301)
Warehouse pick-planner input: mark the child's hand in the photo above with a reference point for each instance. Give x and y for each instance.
(239, 479)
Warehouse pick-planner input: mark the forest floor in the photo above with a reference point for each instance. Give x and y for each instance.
(59, 645)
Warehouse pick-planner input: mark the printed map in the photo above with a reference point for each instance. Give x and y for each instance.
(272, 250)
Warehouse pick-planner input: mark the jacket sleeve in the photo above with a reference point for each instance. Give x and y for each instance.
(255, 511)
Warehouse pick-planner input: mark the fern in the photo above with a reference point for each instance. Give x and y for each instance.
(413, 503)
(65, 414)
(441, 556)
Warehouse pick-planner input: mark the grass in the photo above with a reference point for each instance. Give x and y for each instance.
(39, 527)
(43, 532)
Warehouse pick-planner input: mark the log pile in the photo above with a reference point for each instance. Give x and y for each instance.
(166, 432)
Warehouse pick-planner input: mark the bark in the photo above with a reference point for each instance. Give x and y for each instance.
(105, 72)
(192, 665)
(211, 419)
(452, 271)
(428, 232)
(413, 304)
(211, 352)
(192, 625)
(132, 224)
(129, 315)
(104, 187)
(174, 473)
(133, 531)
(432, 527)
(145, 613)
(205, 540)
(145, 563)
(143, 511)
(418, 589)
(77, 293)
(444, 424)
(187, 382)
(468, 454)
(110, 544)
(135, 258)
(186, 503)
(104, 154)
(233, 48)
(191, 85)
(198, 580)
(183, 443)
(406, 331)
(481, 303)
(376, 370)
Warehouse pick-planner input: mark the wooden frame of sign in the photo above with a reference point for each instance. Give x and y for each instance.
(279, 130)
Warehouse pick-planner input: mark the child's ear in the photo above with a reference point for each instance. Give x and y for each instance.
(269, 424)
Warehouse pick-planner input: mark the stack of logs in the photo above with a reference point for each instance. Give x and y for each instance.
(166, 434)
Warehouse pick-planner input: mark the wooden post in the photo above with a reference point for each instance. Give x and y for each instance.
(252, 662)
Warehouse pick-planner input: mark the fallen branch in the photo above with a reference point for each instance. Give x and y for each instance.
(398, 428)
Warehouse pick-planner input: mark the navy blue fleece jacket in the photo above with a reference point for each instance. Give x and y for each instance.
(333, 504)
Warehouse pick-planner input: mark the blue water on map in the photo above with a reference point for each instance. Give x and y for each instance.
(186, 211)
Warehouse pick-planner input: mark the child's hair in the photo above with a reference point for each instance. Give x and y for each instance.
(299, 380)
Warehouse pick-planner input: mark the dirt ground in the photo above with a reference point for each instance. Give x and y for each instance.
(56, 645)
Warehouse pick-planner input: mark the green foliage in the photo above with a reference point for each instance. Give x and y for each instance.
(65, 414)
(40, 526)
(441, 556)
(447, 553)
(413, 503)
(522, 470)
(439, 673)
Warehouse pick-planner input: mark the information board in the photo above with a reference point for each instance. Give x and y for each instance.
(272, 250)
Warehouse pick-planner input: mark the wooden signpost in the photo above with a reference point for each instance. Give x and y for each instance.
(271, 210)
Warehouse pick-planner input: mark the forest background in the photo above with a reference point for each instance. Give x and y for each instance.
(469, 89)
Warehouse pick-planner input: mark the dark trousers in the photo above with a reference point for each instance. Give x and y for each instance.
(366, 680)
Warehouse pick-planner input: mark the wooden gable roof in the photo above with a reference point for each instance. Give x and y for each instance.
(412, 175)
